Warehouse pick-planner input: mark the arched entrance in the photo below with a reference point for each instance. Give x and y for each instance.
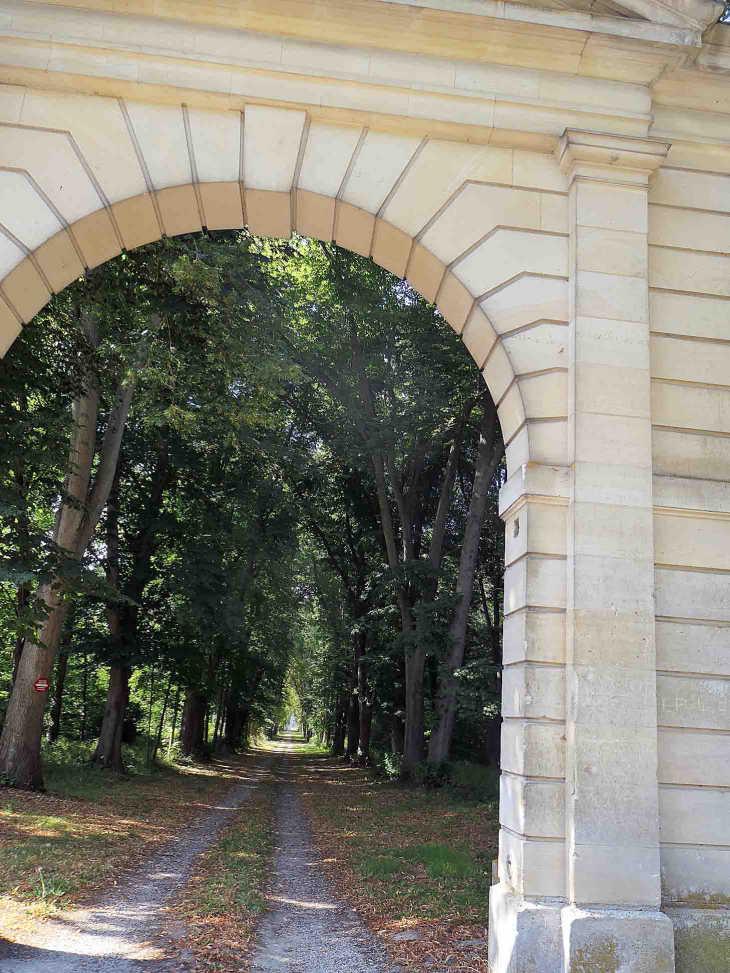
(540, 260)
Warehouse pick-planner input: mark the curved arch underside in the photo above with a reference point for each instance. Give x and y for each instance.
(480, 230)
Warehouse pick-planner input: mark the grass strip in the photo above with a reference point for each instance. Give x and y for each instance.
(408, 860)
(226, 895)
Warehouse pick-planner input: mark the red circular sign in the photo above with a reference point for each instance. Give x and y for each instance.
(41, 685)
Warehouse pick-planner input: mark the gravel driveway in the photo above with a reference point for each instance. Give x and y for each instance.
(117, 935)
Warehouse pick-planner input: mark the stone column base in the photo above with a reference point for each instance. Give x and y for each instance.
(546, 936)
(609, 940)
(524, 936)
(702, 939)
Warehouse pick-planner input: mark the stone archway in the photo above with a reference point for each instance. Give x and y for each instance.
(556, 271)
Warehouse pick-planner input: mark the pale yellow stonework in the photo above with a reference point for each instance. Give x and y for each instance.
(555, 177)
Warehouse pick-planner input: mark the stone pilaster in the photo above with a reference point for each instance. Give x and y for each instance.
(612, 817)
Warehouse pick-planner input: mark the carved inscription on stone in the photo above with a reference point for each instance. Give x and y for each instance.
(693, 702)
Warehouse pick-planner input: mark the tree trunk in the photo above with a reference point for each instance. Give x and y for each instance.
(353, 712)
(55, 727)
(108, 753)
(175, 710)
(20, 744)
(193, 723)
(488, 459)
(338, 741)
(161, 724)
(397, 733)
(365, 705)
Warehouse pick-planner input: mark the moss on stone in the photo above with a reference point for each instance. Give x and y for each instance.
(704, 948)
(599, 957)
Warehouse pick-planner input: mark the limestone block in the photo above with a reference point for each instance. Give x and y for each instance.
(533, 692)
(315, 215)
(535, 581)
(698, 190)
(425, 272)
(701, 939)
(98, 128)
(540, 347)
(622, 252)
(545, 396)
(690, 454)
(216, 138)
(517, 452)
(137, 221)
(534, 636)
(539, 171)
(324, 57)
(391, 248)
(10, 255)
(455, 303)
(692, 594)
(526, 301)
(179, 210)
(268, 213)
(11, 99)
(535, 808)
(600, 881)
(476, 211)
(59, 261)
(697, 875)
(479, 338)
(532, 867)
(326, 157)
(630, 635)
(533, 749)
(536, 528)
(511, 412)
(611, 296)
(222, 205)
(382, 159)
(611, 207)
(160, 132)
(691, 815)
(693, 757)
(26, 291)
(354, 228)
(611, 530)
(622, 344)
(554, 213)
(271, 142)
(632, 941)
(24, 212)
(692, 494)
(684, 646)
(436, 174)
(628, 579)
(50, 159)
(534, 482)
(692, 541)
(10, 327)
(510, 252)
(497, 372)
(610, 439)
(616, 706)
(691, 407)
(672, 227)
(688, 314)
(706, 273)
(692, 701)
(698, 361)
(525, 936)
(425, 70)
(548, 441)
(615, 815)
